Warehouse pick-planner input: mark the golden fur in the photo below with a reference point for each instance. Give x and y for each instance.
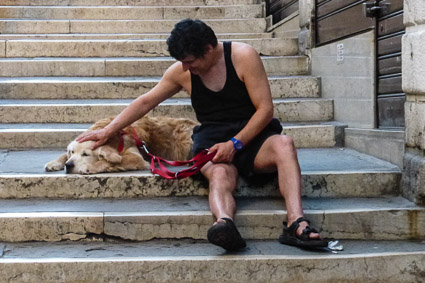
(169, 138)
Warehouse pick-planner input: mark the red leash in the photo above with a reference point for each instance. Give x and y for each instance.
(198, 161)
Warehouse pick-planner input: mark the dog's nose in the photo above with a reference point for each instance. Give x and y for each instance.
(69, 166)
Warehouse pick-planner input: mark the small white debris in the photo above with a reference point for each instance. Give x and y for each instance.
(333, 246)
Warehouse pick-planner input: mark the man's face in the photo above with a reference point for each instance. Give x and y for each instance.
(194, 65)
(198, 65)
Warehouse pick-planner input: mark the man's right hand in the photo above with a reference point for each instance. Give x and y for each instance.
(225, 152)
(99, 136)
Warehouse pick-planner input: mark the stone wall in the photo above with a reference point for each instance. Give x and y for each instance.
(413, 68)
(386, 145)
(305, 36)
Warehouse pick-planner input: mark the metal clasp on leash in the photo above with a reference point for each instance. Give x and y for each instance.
(144, 147)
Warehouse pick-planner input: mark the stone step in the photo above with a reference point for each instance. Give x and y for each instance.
(384, 218)
(128, 2)
(89, 111)
(124, 67)
(129, 87)
(18, 26)
(131, 12)
(220, 36)
(127, 47)
(198, 261)
(326, 172)
(39, 136)
(316, 134)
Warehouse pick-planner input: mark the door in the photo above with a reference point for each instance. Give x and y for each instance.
(389, 31)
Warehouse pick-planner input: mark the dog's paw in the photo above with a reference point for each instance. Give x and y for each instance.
(53, 166)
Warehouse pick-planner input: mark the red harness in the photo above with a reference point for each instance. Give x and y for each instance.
(197, 162)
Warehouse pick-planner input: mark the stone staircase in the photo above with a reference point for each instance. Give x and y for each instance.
(67, 63)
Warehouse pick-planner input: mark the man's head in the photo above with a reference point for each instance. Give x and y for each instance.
(191, 38)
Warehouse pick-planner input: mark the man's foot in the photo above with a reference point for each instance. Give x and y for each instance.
(303, 225)
(306, 238)
(225, 234)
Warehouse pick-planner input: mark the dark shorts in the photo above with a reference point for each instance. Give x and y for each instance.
(208, 134)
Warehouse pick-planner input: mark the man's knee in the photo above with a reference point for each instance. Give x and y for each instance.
(222, 175)
(282, 144)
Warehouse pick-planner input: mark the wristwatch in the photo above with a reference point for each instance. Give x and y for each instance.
(237, 144)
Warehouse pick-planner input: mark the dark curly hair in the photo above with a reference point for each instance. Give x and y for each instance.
(190, 37)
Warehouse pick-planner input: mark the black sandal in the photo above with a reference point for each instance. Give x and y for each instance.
(226, 235)
(290, 237)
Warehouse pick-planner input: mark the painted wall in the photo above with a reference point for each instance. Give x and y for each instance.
(347, 71)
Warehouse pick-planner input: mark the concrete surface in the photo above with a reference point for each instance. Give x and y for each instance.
(125, 66)
(384, 218)
(129, 87)
(182, 261)
(89, 111)
(311, 160)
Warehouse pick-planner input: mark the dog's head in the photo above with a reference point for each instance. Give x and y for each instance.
(83, 160)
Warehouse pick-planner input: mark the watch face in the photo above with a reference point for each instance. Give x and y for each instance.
(238, 145)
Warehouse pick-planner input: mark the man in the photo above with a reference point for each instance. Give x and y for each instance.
(231, 97)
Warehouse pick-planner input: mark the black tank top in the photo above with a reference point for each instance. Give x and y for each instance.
(230, 104)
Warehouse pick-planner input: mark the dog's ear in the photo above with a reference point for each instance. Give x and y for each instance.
(70, 149)
(109, 154)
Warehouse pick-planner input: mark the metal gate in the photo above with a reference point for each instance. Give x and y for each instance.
(280, 9)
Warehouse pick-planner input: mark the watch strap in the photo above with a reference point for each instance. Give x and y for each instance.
(237, 144)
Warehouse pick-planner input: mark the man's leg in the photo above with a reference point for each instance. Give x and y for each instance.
(278, 152)
(222, 180)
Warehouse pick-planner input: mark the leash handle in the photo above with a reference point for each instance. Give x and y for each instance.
(198, 162)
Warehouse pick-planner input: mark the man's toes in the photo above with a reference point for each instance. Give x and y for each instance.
(314, 236)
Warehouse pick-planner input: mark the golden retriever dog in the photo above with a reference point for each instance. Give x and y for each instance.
(169, 138)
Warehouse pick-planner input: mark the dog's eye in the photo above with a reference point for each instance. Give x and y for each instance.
(84, 154)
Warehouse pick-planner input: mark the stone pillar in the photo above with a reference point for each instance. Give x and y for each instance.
(413, 70)
(305, 36)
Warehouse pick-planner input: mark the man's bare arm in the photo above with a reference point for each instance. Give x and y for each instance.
(255, 78)
(169, 84)
(250, 70)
